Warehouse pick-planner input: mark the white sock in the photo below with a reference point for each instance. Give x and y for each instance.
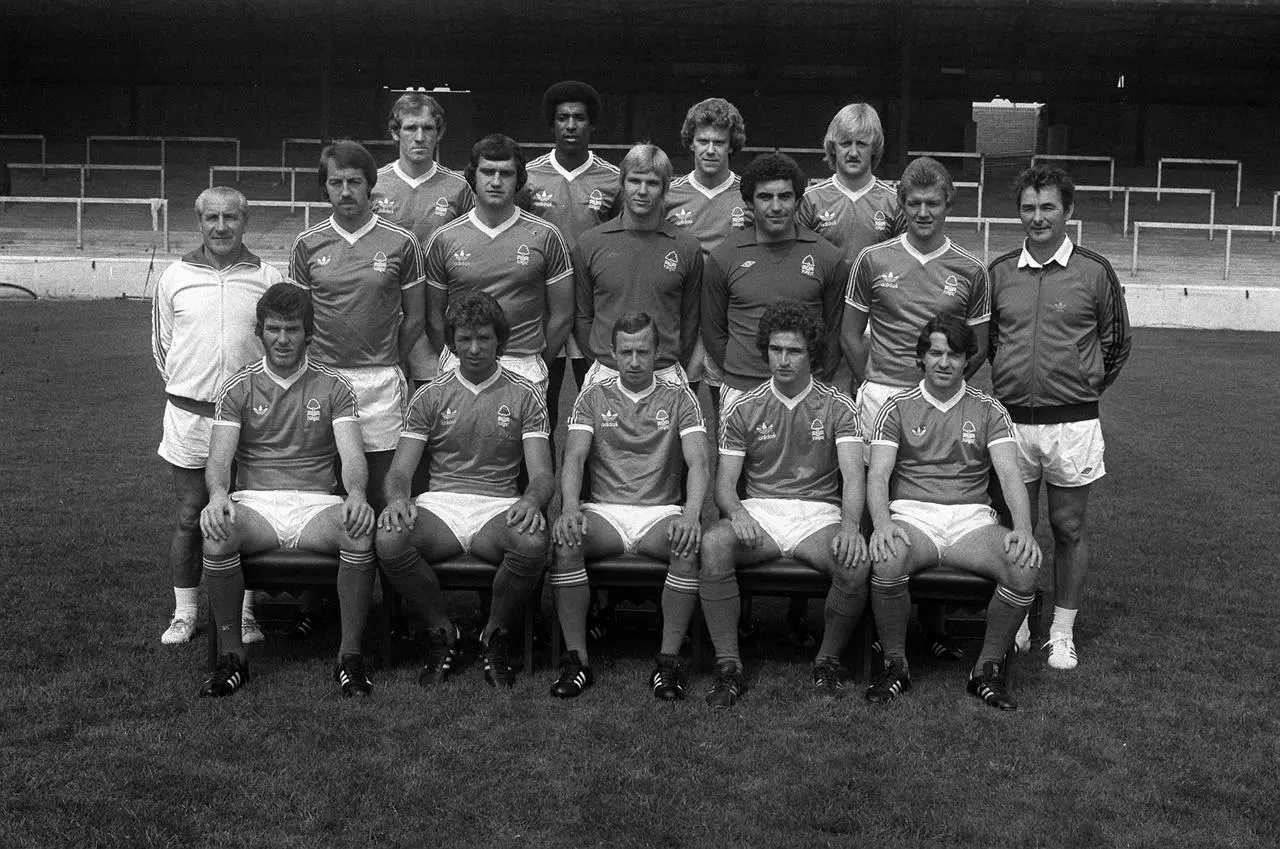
(186, 602)
(246, 606)
(1064, 622)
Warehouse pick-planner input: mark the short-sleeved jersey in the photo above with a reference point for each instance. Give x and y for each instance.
(620, 270)
(852, 221)
(636, 456)
(743, 277)
(790, 443)
(901, 289)
(475, 433)
(421, 204)
(514, 262)
(709, 214)
(575, 201)
(944, 452)
(286, 425)
(356, 280)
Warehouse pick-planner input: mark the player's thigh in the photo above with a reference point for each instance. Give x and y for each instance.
(250, 533)
(430, 536)
(495, 539)
(601, 539)
(656, 542)
(981, 551)
(815, 550)
(918, 553)
(325, 532)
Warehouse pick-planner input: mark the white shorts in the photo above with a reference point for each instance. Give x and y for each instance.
(382, 395)
(464, 514)
(532, 367)
(871, 400)
(631, 522)
(728, 395)
(790, 521)
(185, 442)
(944, 524)
(709, 371)
(1066, 455)
(598, 372)
(287, 510)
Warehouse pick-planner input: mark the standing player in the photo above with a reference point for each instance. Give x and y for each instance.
(776, 259)
(364, 275)
(417, 192)
(1060, 337)
(635, 433)
(796, 439)
(852, 209)
(476, 424)
(639, 263)
(518, 258)
(573, 189)
(707, 202)
(932, 453)
(283, 419)
(201, 333)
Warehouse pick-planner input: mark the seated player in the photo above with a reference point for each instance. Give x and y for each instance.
(795, 438)
(634, 433)
(282, 419)
(476, 424)
(932, 452)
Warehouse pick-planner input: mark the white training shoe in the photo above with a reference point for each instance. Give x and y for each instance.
(1022, 640)
(180, 631)
(250, 633)
(1062, 652)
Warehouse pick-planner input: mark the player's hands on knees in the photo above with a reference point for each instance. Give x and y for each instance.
(849, 549)
(217, 517)
(399, 515)
(358, 518)
(570, 528)
(1022, 549)
(747, 529)
(885, 541)
(525, 517)
(684, 535)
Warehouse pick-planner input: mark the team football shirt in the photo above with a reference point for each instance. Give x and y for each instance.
(356, 282)
(514, 262)
(743, 277)
(286, 425)
(575, 201)
(474, 433)
(790, 443)
(852, 221)
(901, 289)
(619, 271)
(944, 452)
(709, 214)
(636, 456)
(421, 204)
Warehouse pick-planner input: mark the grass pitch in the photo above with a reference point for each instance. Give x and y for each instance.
(1165, 736)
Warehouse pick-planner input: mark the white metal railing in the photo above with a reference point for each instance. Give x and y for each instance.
(265, 169)
(1275, 202)
(44, 146)
(162, 140)
(284, 148)
(1212, 195)
(1173, 225)
(159, 211)
(84, 170)
(1171, 160)
(1077, 157)
(306, 205)
(984, 224)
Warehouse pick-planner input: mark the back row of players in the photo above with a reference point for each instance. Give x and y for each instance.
(674, 289)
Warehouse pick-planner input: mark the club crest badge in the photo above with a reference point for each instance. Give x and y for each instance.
(380, 262)
(663, 420)
(881, 221)
(522, 255)
(596, 201)
(817, 431)
(968, 434)
(807, 266)
(441, 208)
(950, 286)
(738, 218)
(670, 261)
(313, 410)
(504, 416)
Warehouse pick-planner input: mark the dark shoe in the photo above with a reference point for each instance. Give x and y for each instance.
(989, 686)
(442, 656)
(892, 682)
(232, 674)
(728, 685)
(826, 678)
(306, 625)
(667, 679)
(944, 648)
(497, 666)
(349, 673)
(574, 678)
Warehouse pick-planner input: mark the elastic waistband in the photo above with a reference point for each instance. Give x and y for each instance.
(191, 405)
(1053, 415)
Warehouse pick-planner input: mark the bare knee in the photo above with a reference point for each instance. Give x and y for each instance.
(1068, 526)
(532, 544)
(719, 552)
(391, 544)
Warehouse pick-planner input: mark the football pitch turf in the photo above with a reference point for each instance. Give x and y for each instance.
(1166, 735)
